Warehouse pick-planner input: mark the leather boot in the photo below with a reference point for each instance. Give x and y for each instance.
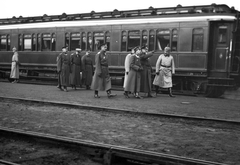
(170, 92)
(157, 90)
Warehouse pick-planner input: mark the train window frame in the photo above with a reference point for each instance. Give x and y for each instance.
(7, 42)
(102, 38)
(27, 42)
(34, 42)
(20, 42)
(146, 37)
(108, 39)
(162, 35)
(151, 45)
(133, 33)
(39, 41)
(222, 39)
(46, 37)
(196, 33)
(83, 41)
(172, 39)
(89, 41)
(53, 42)
(67, 40)
(124, 36)
(74, 36)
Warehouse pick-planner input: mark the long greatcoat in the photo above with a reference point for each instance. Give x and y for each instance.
(101, 78)
(64, 65)
(58, 69)
(15, 66)
(165, 66)
(76, 68)
(87, 66)
(134, 75)
(146, 80)
(127, 68)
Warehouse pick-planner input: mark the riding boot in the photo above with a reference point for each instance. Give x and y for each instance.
(126, 94)
(170, 92)
(156, 89)
(96, 94)
(109, 94)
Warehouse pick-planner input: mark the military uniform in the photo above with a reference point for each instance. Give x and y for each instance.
(101, 78)
(76, 68)
(87, 66)
(64, 63)
(146, 80)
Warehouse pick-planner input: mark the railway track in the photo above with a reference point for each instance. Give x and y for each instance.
(115, 110)
(106, 154)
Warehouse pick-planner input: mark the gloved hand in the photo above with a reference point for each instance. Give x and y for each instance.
(157, 73)
(100, 75)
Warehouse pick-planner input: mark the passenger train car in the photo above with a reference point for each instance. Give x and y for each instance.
(204, 41)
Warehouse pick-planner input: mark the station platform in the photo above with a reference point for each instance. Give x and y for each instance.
(192, 106)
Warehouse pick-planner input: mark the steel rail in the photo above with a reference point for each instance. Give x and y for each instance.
(118, 110)
(110, 152)
(3, 162)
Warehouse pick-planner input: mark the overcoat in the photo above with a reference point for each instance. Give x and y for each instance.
(127, 68)
(87, 66)
(146, 80)
(165, 66)
(134, 75)
(15, 66)
(76, 68)
(101, 78)
(64, 62)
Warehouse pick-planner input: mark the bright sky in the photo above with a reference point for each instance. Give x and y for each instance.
(26, 8)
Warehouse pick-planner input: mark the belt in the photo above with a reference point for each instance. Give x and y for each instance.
(165, 66)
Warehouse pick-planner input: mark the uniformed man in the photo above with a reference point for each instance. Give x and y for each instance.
(76, 69)
(58, 70)
(146, 80)
(101, 78)
(15, 66)
(164, 69)
(64, 68)
(87, 66)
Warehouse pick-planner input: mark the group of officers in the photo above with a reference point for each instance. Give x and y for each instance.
(75, 70)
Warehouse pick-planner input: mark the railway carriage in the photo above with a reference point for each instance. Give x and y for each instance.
(204, 41)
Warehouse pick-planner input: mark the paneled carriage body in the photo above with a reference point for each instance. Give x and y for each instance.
(204, 41)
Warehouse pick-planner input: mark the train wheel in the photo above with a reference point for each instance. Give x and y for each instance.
(214, 91)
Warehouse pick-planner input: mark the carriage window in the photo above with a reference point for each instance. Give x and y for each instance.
(53, 42)
(34, 42)
(133, 39)
(174, 40)
(144, 38)
(124, 41)
(98, 39)
(3, 42)
(84, 41)
(222, 34)
(67, 40)
(39, 39)
(75, 41)
(46, 42)
(151, 39)
(108, 40)
(20, 42)
(27, 42)
(163, 39)
(8, 42)
(89, 41)
(197, 44)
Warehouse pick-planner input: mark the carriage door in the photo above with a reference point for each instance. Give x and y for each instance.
(219, 49)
